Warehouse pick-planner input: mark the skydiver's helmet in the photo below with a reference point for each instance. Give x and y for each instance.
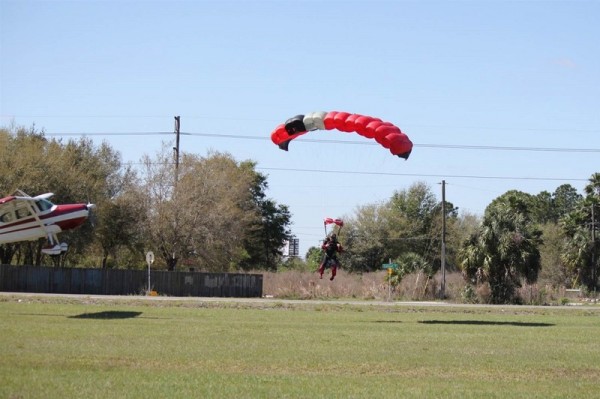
(333, 237)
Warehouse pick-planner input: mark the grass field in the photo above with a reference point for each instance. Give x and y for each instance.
(89, 348)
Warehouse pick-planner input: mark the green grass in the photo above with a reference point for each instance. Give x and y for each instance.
(67, 348)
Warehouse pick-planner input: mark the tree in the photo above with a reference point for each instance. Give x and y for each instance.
(267, 236)
(216, 215)
(592, 189)
(410, 221)
(458, 230)
(314, 257)
(580, 227)
(542, 207)
(409, 262)
(505, 249)
(119, 224)
(416, 220)
(565, 199)
(554, 269)
(366, 237)
(208, 218)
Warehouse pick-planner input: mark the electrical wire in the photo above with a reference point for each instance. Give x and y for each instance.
(344, 142)
(441, 176)
(423, 175)
(444, 146)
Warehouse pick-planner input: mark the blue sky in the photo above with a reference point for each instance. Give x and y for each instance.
(520, 74)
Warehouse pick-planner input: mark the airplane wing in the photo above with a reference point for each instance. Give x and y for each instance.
(6, 200)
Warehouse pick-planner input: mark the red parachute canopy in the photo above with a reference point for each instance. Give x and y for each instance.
(385, 133)
(338, 222)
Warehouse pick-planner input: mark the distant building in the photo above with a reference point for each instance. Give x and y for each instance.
(292, 247)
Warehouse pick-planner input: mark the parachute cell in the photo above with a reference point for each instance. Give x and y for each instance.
(295, 125)
(338, 222)
(314, 121)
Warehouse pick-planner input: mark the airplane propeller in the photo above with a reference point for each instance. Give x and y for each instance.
(91, 214)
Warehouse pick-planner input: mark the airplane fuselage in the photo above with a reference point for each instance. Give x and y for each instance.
(18, 223)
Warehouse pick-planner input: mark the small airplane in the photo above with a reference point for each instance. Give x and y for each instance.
(25, 218)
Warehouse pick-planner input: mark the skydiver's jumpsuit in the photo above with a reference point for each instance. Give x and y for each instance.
(331, 247)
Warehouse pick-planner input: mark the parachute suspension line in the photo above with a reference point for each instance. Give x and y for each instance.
(336, 222)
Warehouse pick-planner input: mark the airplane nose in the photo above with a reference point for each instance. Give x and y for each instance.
(90, 206)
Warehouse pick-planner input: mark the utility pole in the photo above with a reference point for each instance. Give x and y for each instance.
(176, 148)
(443, 256)
(594, 268)
(173, 260)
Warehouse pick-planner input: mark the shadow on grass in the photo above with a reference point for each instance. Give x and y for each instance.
(488, 323)
(108, 315)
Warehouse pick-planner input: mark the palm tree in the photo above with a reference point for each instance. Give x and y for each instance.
(505, 250)
(593, 188)
(593, 192)
(580, 226)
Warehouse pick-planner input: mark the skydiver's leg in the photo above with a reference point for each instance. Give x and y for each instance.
(321, 269)
(334, 266)
(323, 264)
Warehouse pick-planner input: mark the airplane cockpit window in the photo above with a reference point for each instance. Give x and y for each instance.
(22, 213)
(43, 205)
(6, 217)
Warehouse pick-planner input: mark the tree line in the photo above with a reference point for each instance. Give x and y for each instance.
(213, 214)
(519, 237)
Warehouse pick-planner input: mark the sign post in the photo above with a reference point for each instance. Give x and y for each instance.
(150, 261)
(390, 267)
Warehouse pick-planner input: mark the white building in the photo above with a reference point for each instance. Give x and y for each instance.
(292, 247)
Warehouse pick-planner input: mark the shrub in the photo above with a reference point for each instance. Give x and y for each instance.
(468, 294)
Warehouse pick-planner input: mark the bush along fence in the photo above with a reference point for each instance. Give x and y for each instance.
(128, 282)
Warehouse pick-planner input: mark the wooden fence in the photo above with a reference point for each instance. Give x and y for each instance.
(128, 282)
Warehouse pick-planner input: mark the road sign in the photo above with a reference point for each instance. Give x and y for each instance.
(150, 261)
(389, 266)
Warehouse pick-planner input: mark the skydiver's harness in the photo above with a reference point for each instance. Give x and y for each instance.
(330, 254)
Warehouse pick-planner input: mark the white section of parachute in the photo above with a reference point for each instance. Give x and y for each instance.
(315, 120)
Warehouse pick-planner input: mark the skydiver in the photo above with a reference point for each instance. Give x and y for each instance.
(331, 247)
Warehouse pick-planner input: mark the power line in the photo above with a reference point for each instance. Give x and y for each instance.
(109, 134)
(356, 172)
(343, 142)
(455, 146)
(502, 148)
(423, 175)
(236, 118)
